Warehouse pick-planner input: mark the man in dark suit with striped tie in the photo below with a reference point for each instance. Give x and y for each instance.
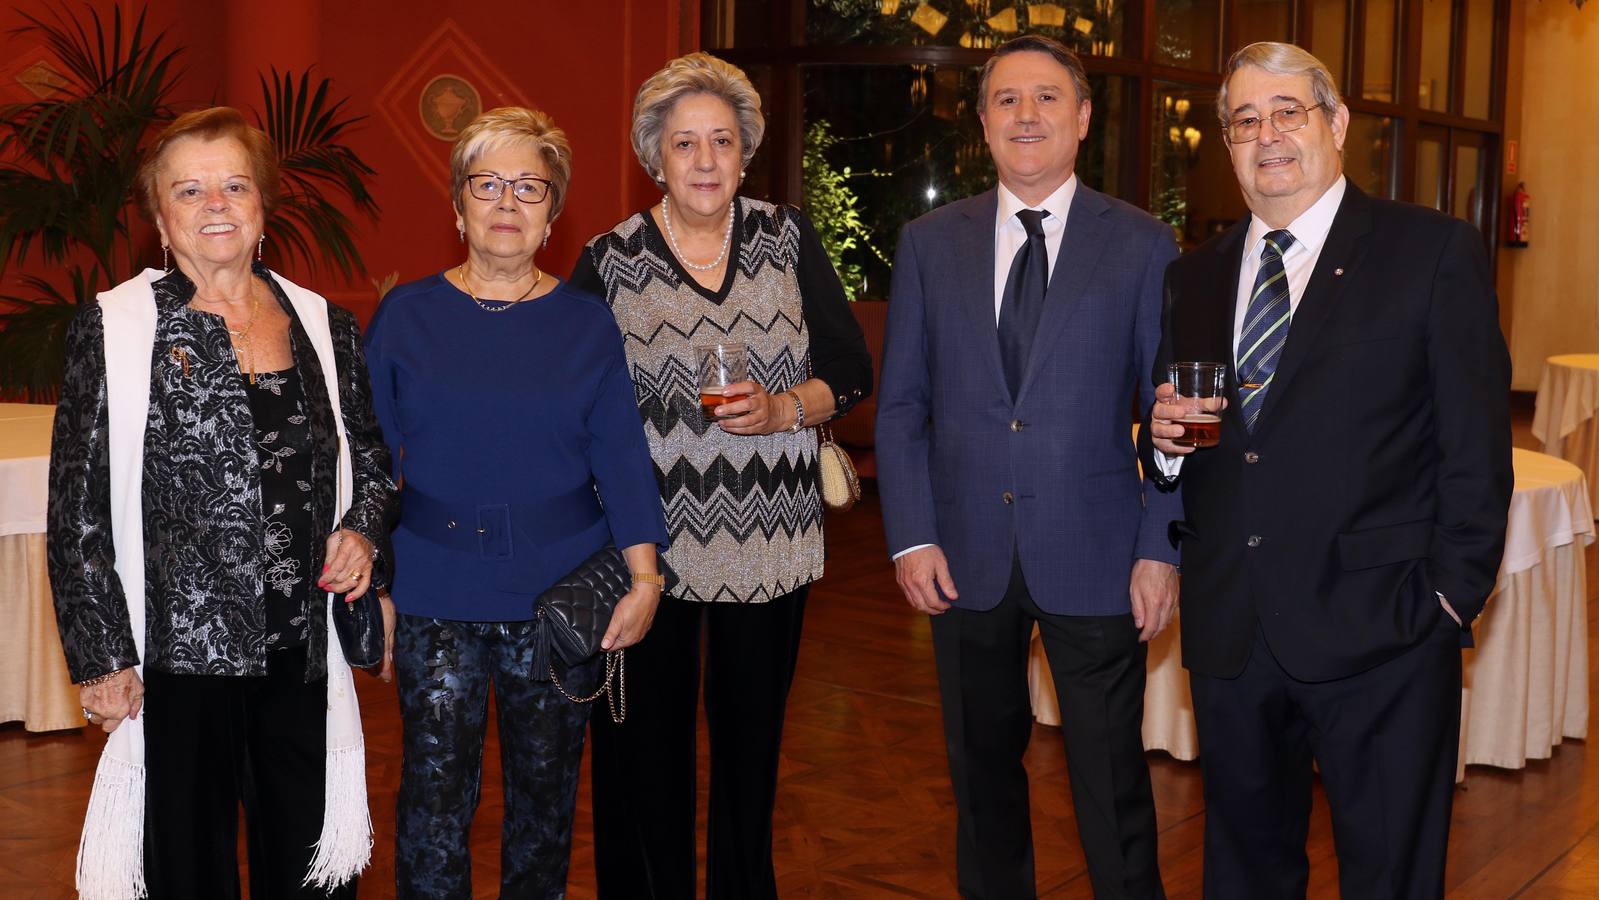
(1341, 538)
(1021, 323)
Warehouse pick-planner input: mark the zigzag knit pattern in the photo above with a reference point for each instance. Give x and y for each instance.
(744, 513)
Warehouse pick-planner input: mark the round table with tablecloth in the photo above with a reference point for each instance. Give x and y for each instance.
(34, 686)
(1526, 681)
(1565, 421)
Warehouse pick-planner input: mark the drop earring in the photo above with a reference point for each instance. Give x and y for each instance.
(166, 265)
(546, 240)
(259, 247)
(462, 233)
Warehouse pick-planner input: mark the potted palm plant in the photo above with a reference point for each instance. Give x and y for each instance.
(66, 183)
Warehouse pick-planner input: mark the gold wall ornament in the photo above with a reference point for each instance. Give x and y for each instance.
(889, 7)
(1004, 21)
(447, 104)
(929, 19)
(1049, 14)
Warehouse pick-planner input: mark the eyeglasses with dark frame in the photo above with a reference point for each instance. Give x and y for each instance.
(1289, 118)
(488, 186)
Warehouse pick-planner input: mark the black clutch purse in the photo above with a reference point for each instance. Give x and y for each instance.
(359, 626)
(574, 614)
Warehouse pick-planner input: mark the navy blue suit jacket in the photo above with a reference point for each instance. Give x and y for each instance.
(1051, 474)
(1379, 471)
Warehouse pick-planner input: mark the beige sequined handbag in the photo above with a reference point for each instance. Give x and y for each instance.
(840, 486)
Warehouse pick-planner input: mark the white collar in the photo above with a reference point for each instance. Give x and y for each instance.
(1058, 203)
(1309, 230)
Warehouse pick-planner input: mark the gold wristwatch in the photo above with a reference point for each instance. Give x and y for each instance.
(654, 578)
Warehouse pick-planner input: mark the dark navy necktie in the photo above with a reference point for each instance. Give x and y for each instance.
(1022, 303)
(1260, 344)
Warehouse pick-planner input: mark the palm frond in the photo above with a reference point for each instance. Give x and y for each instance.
(316, 169)
(33, 340)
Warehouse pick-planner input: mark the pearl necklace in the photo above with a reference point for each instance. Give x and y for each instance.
(727, 239)
(461, 272)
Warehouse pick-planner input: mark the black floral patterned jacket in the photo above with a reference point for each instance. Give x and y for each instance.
(204, 531)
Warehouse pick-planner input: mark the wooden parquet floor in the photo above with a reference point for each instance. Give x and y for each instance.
(864, 807)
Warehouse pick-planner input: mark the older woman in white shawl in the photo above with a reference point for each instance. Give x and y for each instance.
(217, 482)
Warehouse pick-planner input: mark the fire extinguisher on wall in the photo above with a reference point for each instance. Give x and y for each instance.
(1520, 212)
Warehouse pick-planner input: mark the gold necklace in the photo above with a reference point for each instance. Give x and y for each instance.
(460, 271)
(244, 342)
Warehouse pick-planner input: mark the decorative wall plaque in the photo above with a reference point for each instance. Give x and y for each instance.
(447, 104)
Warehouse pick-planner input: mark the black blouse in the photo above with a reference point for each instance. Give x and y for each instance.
(283, 443)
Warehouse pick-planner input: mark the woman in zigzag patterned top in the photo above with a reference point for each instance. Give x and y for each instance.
(741, 497)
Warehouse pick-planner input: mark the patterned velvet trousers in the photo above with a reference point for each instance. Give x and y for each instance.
(445, 671)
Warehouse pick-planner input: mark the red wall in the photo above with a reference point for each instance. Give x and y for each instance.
(580, 62)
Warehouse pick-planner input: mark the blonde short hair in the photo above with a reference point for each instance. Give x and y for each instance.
(1281, 59)
(696, 73)
(513, 125)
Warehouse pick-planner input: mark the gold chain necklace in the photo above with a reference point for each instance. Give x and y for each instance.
(244, 342)
(245, 345)
(506, 304)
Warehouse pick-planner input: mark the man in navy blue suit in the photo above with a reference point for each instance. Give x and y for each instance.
(1022, 327)
(1342, 536)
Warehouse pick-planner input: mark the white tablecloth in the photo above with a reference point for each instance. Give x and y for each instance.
(1568, 398)
(24, 466)
(1526, 682)
(34, 686)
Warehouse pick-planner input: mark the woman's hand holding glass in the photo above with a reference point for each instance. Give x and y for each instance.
(756, 411)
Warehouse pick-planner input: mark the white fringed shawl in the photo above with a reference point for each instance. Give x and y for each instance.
(111, 851)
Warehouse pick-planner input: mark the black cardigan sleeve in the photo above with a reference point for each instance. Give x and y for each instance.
(838, 347)
(584, 276)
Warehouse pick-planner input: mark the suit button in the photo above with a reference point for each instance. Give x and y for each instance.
(1251, 457)
(450, 524)
(1254, 540)
(1008, 497)
(1017, 425)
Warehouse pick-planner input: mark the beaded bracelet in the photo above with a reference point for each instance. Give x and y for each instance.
(102, 679)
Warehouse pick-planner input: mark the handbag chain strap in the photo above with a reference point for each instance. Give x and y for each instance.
(615, 674)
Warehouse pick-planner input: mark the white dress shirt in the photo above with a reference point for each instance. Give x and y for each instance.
(1310, 234)
(1009, 236)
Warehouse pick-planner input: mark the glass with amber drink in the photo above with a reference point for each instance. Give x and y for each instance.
(1200, 389)
(720, 365)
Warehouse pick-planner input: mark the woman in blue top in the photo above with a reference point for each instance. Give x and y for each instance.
(505, 398)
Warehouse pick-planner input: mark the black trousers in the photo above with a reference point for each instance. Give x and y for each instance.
(1386, 741)
(644, 770)
(1098, 666)
(212, 741)
(445, 671)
